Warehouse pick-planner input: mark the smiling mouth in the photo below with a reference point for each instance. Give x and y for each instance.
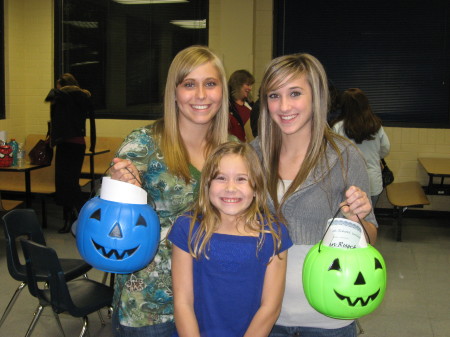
(114, 253)
(287, 117)
(201, 107)
(231, 200)
(358, 299)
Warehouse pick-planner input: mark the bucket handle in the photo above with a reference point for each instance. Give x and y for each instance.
(334, 217)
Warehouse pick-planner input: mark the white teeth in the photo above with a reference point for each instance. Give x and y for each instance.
(287, 118)
(200, 106)
(231, 200)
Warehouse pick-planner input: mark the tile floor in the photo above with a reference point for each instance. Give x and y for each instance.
(417, 301)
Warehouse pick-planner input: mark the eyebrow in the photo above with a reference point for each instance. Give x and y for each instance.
(290, 88)
(206, 79)
(238, 174)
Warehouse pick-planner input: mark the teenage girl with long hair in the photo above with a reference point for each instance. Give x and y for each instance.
(311, 174)
(166, 159)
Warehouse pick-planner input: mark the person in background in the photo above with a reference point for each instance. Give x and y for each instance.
(335, 102)
(254, 117)
(166, 159)
(358, 123)
(229, 255)
(311, 173)
(240, 87)
(69, 109)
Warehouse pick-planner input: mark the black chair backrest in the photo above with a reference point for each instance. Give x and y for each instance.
(43, 260)
(20, 223)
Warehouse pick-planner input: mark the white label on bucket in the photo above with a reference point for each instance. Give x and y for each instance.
(344, 233)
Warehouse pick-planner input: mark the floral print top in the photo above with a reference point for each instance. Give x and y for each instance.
(145, 297)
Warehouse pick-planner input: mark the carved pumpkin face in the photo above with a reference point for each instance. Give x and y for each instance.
(344, 283)
(117, 237)
(6, 155)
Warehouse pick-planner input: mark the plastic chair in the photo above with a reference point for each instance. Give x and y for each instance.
(24, 223)
(79, 297)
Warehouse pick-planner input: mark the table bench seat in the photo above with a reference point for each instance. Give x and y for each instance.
(437, 168)
(402, 196)
(101, 161)
(14, 182)
(6, 204)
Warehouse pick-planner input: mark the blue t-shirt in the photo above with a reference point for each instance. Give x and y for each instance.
(227, 286)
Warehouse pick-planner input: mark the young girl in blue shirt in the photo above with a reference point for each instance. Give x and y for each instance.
(229, 254)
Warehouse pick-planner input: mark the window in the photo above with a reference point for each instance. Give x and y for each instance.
(121, 51)
(397, 51)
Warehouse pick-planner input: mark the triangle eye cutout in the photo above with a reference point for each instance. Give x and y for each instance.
(335, 265)
(141, 221)
(97, 215)
(378, 264)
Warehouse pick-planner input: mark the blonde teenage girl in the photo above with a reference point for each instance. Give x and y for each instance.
(166, 159)
(311, 173)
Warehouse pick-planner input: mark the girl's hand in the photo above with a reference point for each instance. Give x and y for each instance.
(124, 170)
(356, 204)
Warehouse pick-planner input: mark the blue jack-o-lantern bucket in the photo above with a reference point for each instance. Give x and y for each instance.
(118, 232)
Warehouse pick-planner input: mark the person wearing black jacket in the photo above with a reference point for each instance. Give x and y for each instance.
(70, 107)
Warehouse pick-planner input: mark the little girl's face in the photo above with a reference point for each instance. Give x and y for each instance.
(230, 191)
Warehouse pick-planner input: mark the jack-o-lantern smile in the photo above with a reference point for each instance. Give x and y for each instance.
(118, 256)
(358, 299)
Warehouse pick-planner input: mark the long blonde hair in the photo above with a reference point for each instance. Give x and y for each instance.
(171, 143)
(256, 217)
(280, 71)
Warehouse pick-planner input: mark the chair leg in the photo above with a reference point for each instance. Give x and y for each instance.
(59, 323)
(44, 212)
(102, 321)
(110, 311)
(111, 282)
(12, 301)
(36, 315)
(105, 277)
(85, 329)
(99, 312)
(398, 231)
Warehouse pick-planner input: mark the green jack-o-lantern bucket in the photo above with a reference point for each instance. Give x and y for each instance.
(344, 283)
(118, 232)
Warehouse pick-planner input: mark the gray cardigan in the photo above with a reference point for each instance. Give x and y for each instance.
(307, 210)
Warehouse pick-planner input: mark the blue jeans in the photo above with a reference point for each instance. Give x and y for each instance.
(286, 331)
(157, 330)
